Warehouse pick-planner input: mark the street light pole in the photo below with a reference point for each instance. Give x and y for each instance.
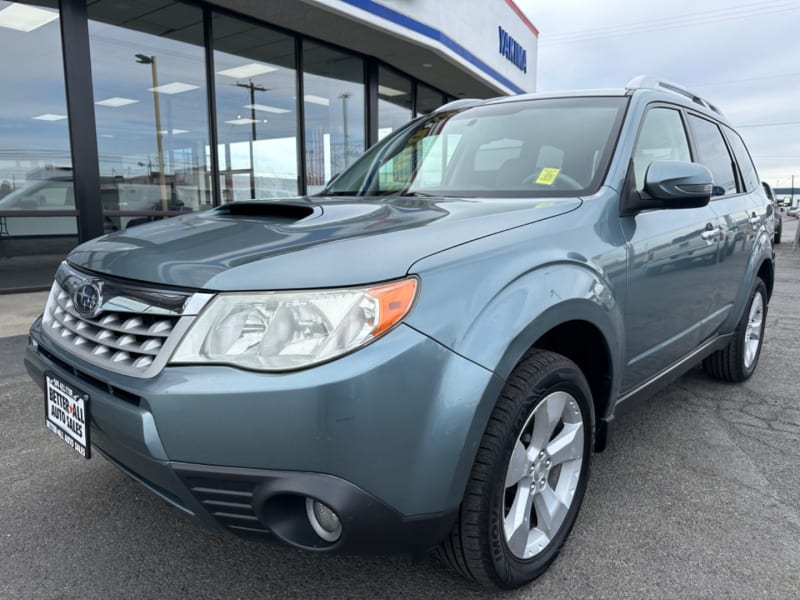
(151, 60)
(345, 141)
(253, 87)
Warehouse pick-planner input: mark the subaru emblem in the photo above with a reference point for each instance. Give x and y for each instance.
(87, 299)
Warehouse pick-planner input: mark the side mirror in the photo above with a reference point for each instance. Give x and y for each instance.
(679, 184)
(670, 184)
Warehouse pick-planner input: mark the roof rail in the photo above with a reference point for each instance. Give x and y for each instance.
(651, 83)
(462, 103)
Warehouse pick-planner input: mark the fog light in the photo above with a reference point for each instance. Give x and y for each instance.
(324, 520)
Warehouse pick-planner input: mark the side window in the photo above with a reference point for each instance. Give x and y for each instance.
(746, 166)
(713, 153)
(662, 137)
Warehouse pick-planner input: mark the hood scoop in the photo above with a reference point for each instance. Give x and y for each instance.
(271, 210)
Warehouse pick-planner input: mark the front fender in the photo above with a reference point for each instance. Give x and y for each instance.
(495, 321)
(494, 325)
(533, 304)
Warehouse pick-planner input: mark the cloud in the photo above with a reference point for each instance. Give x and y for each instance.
(742, 57)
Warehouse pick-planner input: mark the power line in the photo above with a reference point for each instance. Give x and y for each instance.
(731, 81)
(659, 20)
(669, 23)
(769, 124)
(655, 24)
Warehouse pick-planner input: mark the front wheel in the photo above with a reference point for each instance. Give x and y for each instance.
(737, 361)
(529, 476)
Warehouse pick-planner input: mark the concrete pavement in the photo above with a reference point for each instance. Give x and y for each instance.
(18, 311)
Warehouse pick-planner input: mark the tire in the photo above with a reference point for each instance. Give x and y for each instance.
(548, 389)
(776, 237)
(739, 359)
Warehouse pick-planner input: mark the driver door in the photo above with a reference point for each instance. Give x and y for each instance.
(672, 256)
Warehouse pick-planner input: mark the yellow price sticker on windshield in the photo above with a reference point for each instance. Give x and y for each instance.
(548, 176)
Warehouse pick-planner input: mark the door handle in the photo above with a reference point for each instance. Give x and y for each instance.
(711, 235)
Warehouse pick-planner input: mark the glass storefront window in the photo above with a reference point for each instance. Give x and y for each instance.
(428, 99)
(255, 87)
(38, 220)
(148, 70)
(333, 100)
(394, 101)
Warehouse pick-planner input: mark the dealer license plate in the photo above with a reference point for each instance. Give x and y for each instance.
(67, 413)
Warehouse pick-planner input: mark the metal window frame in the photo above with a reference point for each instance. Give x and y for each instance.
(76, 53)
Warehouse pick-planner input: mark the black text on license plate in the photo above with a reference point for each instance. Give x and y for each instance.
(67, 414)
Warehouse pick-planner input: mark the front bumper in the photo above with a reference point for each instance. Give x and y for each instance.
(385, 436)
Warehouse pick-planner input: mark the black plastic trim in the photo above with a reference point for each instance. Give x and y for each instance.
(277, 500)
(659, 381)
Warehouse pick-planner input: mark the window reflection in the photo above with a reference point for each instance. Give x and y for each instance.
(333, 99)
(428, 99)
(255, 90)
(38, 224)
(394, 101)
(148, 70)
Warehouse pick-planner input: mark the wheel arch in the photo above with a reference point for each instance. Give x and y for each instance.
(589, 334)
(584, 344)
(767, 274)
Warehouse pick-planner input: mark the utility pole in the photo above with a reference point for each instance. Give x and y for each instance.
(345, 141)
(253, 87)
(162, 180)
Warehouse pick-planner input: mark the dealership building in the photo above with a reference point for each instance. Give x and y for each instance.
(118, 112)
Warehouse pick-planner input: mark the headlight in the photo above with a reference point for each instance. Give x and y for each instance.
(279, 331)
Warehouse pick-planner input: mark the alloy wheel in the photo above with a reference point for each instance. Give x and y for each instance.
(543, 474)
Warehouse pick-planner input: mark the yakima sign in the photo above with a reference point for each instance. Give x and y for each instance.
(513, 50)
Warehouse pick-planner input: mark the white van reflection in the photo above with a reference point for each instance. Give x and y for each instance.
(48, 195)
(53, 195)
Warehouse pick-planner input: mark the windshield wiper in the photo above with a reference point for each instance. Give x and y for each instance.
(417, 194)
(346, 193)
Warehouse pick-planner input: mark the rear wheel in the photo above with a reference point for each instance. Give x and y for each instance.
(738, 360)
(529, 476)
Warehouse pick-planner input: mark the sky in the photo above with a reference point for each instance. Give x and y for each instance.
(742, 57)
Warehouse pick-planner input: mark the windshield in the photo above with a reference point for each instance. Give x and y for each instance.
(553, 147)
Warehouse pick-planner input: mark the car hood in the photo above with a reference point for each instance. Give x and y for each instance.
(304, 243)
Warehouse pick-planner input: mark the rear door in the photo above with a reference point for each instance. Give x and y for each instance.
(735, 207)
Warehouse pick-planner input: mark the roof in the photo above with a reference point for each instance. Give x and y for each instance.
(659, 89)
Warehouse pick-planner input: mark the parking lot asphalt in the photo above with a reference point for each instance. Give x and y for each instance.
(696, 497)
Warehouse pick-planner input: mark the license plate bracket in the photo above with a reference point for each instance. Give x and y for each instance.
(66, 413)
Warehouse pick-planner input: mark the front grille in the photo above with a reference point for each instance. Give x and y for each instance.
(134, 329)
(132, 341)
(230, 502)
